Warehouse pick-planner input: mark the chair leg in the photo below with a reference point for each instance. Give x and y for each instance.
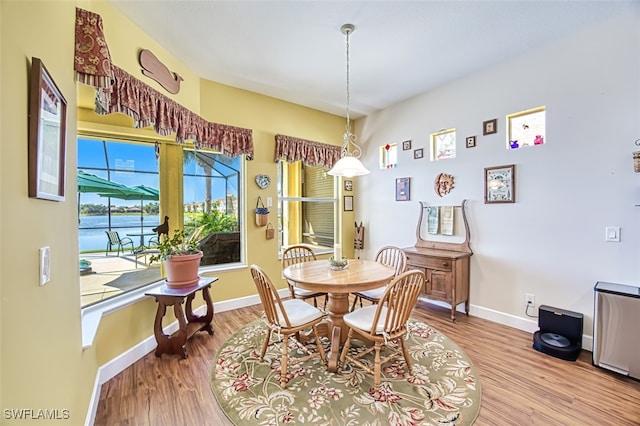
(376, 366)
(323, 356)
(355, 300)
(315, 302)
(405, 352)
(284, 363)
(265, 345)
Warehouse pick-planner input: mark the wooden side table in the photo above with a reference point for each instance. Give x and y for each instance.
(189, 324)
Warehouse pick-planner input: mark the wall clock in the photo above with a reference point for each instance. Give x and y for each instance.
(263, 181)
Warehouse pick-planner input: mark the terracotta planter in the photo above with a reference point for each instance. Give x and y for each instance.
(182, 271)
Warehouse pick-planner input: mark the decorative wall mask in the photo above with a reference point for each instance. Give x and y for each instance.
(153, 68)
(443, 184)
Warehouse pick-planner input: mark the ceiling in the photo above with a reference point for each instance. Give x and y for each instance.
(294, 50)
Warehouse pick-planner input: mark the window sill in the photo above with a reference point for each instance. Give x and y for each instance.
(92, 315)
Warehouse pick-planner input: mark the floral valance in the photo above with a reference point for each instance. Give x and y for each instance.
(309, 152)
(120, 92)
(92, 61)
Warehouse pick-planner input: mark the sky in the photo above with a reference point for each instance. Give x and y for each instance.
(136, 164)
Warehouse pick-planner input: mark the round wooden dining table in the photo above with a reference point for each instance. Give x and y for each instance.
(318, 276)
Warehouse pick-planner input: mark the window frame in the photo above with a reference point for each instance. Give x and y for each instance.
(436, 150)
(282, 176)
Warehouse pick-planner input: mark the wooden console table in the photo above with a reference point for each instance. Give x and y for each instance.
(445, 264)
(189, 324)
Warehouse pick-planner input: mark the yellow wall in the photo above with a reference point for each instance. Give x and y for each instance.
(42, 365)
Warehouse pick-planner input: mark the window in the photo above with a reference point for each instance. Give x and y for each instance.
(211, 185)
(526, 128)
(117, 191)
(443, 145)
(307, 205)
(389, 156)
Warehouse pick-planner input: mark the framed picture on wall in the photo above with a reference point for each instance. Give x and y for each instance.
(500, 184)
(418, 153)
(471, 141)
(47, 135)
(348, 185)
(406, 145)
(490, 126)
(402, 189)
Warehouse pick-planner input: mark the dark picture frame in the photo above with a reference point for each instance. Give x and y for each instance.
(490, 127)
(500, 184)
(406, 145)
(403, 189)
(348, 185)
(418, 153)
(471, 142)
(348, 203)
(47, 135)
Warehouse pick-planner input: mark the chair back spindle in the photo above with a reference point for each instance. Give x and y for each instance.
(394, 257)
(271, 302)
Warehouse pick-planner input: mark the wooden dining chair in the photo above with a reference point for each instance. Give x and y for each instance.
(384, 322)
(286, 318)
(390, 256)
(296, 254)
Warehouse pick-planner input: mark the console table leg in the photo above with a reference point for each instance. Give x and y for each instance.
(204, 319)
(176, 343)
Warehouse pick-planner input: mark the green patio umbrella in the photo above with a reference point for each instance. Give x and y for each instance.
(93, 184)
(88, 183)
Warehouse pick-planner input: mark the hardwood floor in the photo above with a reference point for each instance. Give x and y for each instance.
(520, 386)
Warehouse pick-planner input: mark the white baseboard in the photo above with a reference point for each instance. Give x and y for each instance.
(519, 323)
(124, 360)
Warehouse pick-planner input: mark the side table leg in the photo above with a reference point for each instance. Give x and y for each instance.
(161, 338)
(176, 343)
(205, 319)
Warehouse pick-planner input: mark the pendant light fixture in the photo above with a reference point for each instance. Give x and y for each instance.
(349, 165)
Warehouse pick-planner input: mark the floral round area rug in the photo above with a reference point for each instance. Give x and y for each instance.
(443, 389)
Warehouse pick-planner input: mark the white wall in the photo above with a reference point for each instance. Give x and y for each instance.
(551, 242)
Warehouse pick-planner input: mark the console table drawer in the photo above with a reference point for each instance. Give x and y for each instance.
(429, 262)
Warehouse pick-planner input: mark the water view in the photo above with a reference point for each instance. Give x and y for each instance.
(91, 232)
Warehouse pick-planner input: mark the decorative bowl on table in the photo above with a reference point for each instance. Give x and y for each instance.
(338, 265)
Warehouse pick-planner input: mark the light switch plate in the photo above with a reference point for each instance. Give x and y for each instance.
(269, 201)
(45, 268)
(612, 234)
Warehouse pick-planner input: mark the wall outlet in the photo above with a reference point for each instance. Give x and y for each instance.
(530, 299)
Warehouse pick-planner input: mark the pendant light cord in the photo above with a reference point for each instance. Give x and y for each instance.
(349, 139)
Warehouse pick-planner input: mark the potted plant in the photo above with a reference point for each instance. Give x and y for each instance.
(181, 258)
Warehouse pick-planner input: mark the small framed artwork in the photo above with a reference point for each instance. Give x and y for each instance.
(418, 153)
(402, 189)
(406, 145)
(500, 184)
(47, 135)
(471, 142)
(490, 126)
(348, 203)
(348, 185)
